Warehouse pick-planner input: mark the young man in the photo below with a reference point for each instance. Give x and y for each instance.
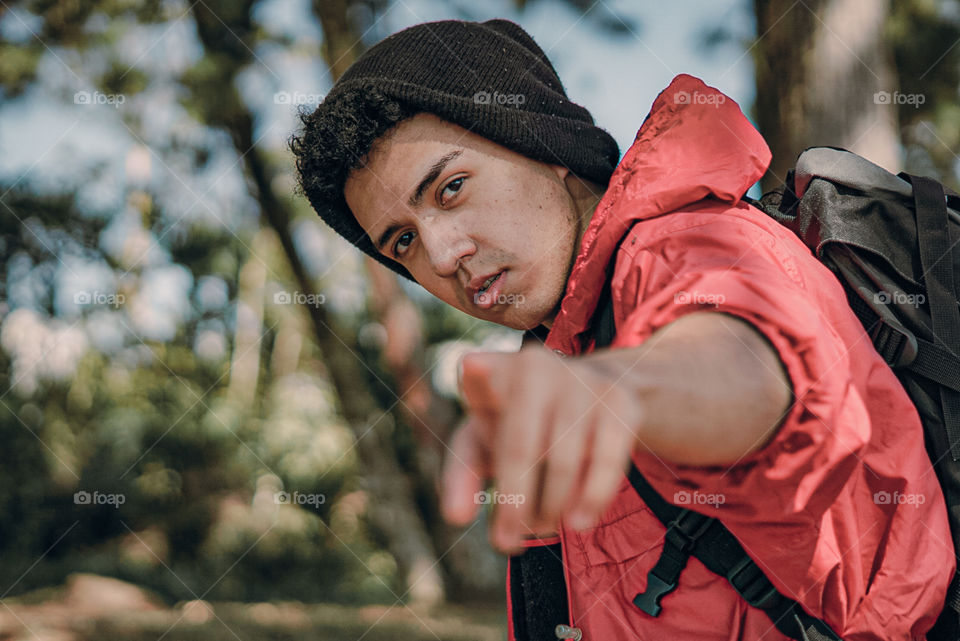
(739, 382)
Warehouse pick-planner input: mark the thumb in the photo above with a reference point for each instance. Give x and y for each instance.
(465, 471)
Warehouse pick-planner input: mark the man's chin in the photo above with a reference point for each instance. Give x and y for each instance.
(521, 317)
(521, 321)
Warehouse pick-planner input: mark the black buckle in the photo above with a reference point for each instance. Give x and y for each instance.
(896, 344)
(649, 600)
(681, 537)
(751, 583)
(686, 529)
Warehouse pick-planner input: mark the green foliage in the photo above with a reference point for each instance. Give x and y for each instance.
(187, 466)
(923, 36)
(184, 476)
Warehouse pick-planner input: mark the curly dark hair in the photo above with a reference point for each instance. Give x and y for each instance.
(335, 140)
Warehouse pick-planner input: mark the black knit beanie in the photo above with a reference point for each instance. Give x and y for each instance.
(490, 78)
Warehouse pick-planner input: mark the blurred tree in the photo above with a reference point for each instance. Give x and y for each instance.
(819, 66)
(201, 429)
(923, 35)
(221, 26)
(429, 416)
(199, 441)
(875, 77)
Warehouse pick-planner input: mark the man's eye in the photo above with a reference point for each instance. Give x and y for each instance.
(453, 186)
(401, 246)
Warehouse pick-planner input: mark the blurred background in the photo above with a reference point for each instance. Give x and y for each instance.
(220, 421)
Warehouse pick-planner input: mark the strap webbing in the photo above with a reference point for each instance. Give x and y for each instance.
(939, 365)
(936, 246)
(722, 554)
(893, 342)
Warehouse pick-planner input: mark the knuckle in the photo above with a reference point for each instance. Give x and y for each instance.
(564, 461)
(595, 499)
(590, 505)
(516, 453)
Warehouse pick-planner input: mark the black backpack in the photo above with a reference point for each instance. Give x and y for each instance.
(890, 240)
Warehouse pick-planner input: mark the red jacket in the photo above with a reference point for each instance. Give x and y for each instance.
(841, 508)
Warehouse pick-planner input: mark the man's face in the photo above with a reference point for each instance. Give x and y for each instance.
(455, 208)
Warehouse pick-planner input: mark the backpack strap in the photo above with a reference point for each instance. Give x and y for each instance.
(707, 539)
(936, 246)
(901, 348)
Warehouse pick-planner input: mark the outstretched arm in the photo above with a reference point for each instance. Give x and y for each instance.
(556, 434)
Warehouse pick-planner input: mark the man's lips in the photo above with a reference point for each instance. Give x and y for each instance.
(485, 299)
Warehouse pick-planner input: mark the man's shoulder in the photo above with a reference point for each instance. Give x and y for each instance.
(708, 234)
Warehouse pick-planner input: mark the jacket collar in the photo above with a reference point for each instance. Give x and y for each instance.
(695, 143)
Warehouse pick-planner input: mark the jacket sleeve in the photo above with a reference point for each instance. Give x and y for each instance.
(735, 266)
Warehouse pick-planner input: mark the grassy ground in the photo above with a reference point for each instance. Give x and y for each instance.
(93, 608)
(303, 622)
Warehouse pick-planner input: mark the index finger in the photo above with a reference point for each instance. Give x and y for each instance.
(478, 383)
(465, 471)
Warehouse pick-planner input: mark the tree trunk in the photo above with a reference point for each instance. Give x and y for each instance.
(393, 511)
(245, 362)
(474, 569)
(821, 68)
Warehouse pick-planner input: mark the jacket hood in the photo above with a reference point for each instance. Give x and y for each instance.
(695, 143)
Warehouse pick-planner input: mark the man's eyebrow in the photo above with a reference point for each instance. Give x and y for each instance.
(430, 176)
(417, 197)
(387, 233)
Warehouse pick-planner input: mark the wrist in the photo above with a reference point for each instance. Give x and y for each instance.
(616, 378)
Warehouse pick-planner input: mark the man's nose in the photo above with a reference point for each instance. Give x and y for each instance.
(446, 246)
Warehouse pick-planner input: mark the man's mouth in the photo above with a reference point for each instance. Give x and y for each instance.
(488, 282)
(487, 293)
